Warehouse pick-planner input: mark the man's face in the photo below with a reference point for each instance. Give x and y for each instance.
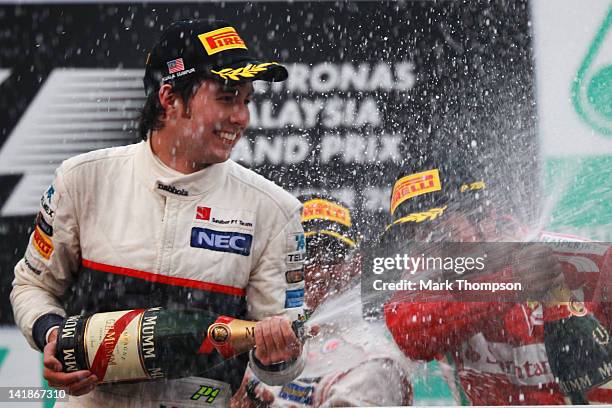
(327, 275)
(207, 129)
(460, 229)
(458, 226)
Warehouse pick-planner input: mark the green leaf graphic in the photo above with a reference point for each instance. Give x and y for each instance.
(3, 353)
(592, 88)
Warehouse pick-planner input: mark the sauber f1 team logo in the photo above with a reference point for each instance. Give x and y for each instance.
(43, 245)
(203, 213)
(220, 40)
(319, 209)
(414, 185)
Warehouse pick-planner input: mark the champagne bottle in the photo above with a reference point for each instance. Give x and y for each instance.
(148, 344)
(577, 345)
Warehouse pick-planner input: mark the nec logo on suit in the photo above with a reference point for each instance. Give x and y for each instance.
(233, 242)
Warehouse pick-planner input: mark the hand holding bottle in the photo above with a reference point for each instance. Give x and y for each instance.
(75, 383)
(538, 269)
(276, 341)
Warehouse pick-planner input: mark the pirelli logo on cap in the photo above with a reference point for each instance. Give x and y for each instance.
(414, 185)
(319, 209)
(220, 40)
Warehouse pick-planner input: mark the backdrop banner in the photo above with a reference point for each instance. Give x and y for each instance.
(573, 56)
(373, 87)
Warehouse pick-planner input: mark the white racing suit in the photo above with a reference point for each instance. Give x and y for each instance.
(119, 230)
(350, 362)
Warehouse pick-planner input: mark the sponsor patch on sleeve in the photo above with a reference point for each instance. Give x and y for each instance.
(43, 245)
(294, 298)
(44, 225)
(297, 393)
(296, 258)
(294, 276)
(30, 266)
(296, 242)
(296, 254)
(47, 201)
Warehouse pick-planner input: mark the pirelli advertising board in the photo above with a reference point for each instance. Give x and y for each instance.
(372, 87)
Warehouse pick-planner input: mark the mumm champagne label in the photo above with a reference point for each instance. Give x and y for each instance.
(113, 345)
(148, 350)
(147, 344)
(116, 346)
(68, 334)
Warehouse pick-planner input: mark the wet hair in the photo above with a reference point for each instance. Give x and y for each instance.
(151, 113)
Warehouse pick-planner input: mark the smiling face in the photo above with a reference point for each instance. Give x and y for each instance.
(205, 130)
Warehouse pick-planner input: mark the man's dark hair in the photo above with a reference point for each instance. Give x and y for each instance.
(152, 111)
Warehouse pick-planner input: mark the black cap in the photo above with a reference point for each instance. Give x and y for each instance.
(423, 193)
(210, 48)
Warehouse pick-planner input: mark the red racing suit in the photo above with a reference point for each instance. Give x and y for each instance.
(497, 348)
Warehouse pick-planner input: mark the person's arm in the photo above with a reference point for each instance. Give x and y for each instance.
(603, 290)
(427, 324)
(41, 279)
(46, 270)
(424, 330)
(275, 296)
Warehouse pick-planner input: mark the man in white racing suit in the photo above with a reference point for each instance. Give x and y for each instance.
(350, 362)
(170, 222)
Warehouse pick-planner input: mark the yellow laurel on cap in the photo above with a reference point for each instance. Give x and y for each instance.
(334, 234)
(245, 72)
(428, 215)
(477, 185)
(414, 185)
(320, 209)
